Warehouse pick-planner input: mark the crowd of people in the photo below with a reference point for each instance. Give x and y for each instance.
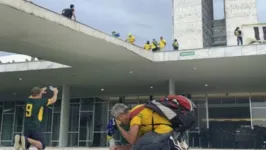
(153, 46)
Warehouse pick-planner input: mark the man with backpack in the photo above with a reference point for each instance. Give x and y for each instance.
(69, 12)
(152, 124)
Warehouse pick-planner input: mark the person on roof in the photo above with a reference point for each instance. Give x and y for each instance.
(131, 39)
(154, 46)
(115, 34)
(175, 45)
(69, 12)
(147, 46)
(238, 34)
(162, 43)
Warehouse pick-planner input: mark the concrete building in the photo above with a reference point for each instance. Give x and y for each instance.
(94, 71)
(195, 27)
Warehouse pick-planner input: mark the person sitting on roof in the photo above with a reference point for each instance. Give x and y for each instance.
(147, 46)
(115, 34)
(131, 39)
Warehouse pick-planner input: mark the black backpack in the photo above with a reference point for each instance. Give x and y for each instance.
(67, 12)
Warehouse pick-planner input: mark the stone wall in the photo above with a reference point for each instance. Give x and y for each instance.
(187, 20)
(237, 13)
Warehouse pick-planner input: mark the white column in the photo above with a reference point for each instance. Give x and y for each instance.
(171, 87)
(64, 116)
(187, 23)
(238, 13)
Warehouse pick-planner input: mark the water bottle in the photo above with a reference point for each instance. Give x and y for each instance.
(51, 88)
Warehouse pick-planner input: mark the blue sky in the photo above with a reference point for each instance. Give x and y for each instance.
(146, 19)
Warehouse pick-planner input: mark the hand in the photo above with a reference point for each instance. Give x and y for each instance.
(43, 90)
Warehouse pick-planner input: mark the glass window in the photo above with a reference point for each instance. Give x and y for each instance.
(99, 140)
(259, 126)
(214, 100)
(242, 99)
(57, 106)
(227, 122)
(72, 139)
(131, 101)
(54, 144)
(228, 100)
(194, 137)
(87, 104)
(1, 111)
(47, 138)
(9, 107)
(144, 99)
(56, 127)
(85, 143)
(47, 123)
(76, 100)
(74, 117)
(113, 101)
(258, 101)
(19, 118)
(7, 144)
(86, 126)
(7, 129)
(101, 113)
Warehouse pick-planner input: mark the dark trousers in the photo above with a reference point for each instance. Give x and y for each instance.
(153, 141)
(155, 49)
(35, 135)
(176, 48)
(239, 40)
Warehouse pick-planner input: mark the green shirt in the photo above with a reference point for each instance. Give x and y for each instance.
(122, 139)
(34, 113)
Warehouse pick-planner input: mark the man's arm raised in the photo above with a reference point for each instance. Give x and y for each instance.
(54, 98)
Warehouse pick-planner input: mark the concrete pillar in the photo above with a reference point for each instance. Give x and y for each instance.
(171, 87)
(64, 116)
(238, 13)
(192, 21)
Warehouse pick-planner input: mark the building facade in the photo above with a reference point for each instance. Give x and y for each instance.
(223, 120)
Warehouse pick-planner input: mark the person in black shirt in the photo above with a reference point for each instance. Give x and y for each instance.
(34, 112)
(69, 12)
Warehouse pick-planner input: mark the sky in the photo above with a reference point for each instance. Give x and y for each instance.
(146, 19)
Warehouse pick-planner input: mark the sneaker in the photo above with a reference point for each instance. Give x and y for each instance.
(23, 142)
(16, 143)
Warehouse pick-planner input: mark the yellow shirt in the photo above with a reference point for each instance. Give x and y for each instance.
(147, 46)
(144, 119)
(153, 46)
(162, 43)
(131, 39)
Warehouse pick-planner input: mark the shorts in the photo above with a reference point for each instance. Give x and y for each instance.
(35, 135)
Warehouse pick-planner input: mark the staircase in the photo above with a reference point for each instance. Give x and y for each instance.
(219, 33)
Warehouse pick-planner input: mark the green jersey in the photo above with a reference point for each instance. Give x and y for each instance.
(34, 113)
(123, 141)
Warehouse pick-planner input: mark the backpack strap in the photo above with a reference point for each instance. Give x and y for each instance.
(136, 111)
(152, 121)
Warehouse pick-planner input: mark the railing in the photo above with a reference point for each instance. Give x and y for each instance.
(254, 33)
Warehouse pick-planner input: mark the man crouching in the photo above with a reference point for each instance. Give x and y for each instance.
(148, 130)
